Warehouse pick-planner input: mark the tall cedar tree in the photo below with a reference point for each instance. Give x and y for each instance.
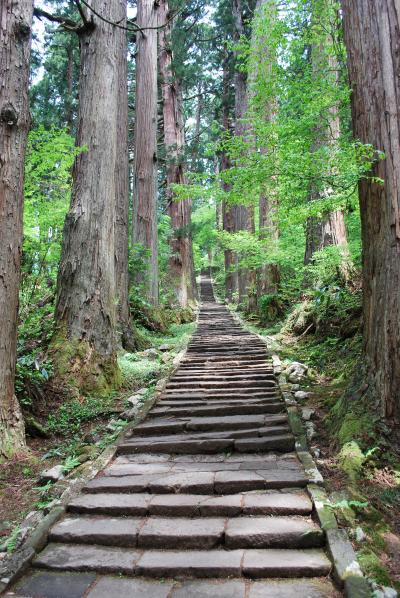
(122, 196)
(181, 269)
(15, 47)
(85, 339)
(372, 39)
(145, 177)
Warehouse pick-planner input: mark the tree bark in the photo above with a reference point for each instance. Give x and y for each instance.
(181, 269)
(228, 211)
(15, 47)
(330, 229)
(127, 339)
(372, 40)
(85, 339)
(145, 180)
(243, 215)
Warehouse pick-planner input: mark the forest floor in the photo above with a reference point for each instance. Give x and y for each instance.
(367, 504)
(77, 431)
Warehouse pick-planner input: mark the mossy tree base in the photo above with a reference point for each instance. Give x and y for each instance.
(12, 431)
(78, 366)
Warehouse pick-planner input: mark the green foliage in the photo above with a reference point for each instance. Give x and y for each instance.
(11, 542)
(69, 417)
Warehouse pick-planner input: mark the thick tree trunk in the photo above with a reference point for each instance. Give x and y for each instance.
(85, 340)
(181, 276)
(145, 181)
(372, 40)
(127, 339)
(15, 46)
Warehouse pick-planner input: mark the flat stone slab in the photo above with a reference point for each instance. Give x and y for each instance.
(178, 446)
(228, 482)
(178, 505)
(199, 482)
(229, 505)
(81, 557)
(293, 588)
(285, 563)
(110, 531)
(284, 443)
(183, 533)
(273, 532)
(46, 584)
(114, 504)
(210, 589)
(108, 587)
(191, 563)
(277, 503)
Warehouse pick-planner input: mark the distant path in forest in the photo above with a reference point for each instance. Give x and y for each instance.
(207, 496)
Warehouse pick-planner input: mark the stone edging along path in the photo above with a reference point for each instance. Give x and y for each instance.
(215, 493)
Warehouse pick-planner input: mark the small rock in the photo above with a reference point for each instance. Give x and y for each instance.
(310, 430)
(296, 372)
(141, 391)
(134, 399)
(307, 413)
(164, 348)
(151, 353)
(301, 395)
(360, 535)
(276, 364)
(316, 452)
(52, 475)
(389, 592)
(130, 414)
(165, 358)
(111, 425)
(295, 387)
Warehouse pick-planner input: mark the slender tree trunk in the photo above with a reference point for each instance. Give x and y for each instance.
(122, 197)
(85, 341)
(181, 267)
(269, 274)
(372, 40)
(145, 183)
(15, 47)
(331, 228)
(244, 216)
(228, 211)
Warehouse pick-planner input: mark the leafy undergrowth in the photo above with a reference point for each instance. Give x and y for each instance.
(359, 464)
(74, 431)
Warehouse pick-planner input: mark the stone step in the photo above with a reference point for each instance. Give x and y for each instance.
(187, 434)
(280, 443)
(234, 422)
(221, 384)
(201, 533)
(273, 406)
(165, 435)
(217, 563)
(243, 396)
(199, 482)
(193, 505)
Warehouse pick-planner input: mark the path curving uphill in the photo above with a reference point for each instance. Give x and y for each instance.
(205, 498)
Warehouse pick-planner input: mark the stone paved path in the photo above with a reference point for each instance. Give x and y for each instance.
(205, 498)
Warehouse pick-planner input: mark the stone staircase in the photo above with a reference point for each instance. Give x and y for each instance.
(205, 498)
